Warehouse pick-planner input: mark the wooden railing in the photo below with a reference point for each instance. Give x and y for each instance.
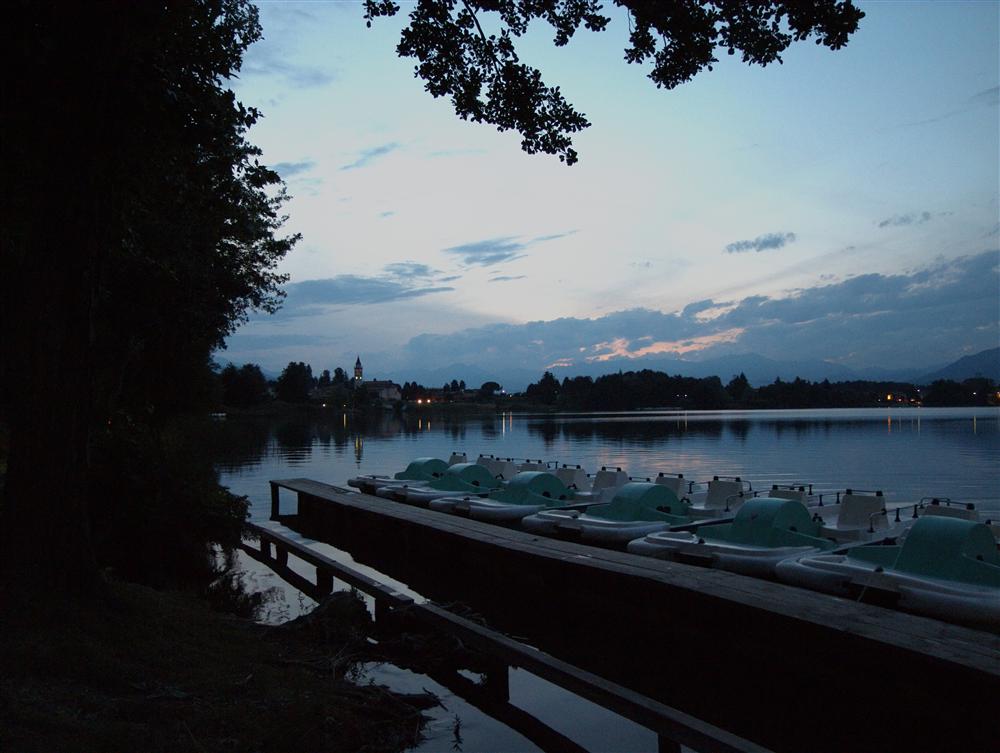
(672, 727)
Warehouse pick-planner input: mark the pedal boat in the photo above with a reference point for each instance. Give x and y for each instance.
(945, 567)
(637, 508)
(527, 493)
(765, 531)
(421, 470)
(459, 479)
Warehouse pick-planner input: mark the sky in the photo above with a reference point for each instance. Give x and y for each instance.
(842, 206)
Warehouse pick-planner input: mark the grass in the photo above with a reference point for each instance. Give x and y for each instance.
(144, 670)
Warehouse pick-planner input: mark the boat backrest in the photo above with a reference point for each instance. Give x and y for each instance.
(860, 511)
(575, 477)
(674, 482)
(954, 510)
(505, 469)
(721, 491)
(489, 462)
(532, 465)
(787, 492)
(605, 479)
(457, 457)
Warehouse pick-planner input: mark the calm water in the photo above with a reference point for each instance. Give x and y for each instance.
(908, 453)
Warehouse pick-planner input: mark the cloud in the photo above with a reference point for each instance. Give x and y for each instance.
(409, 269)
(486, 253)
(312, 297)
(384, 215)
(987, 97)
(902, 220)
(370, 155)
(917, 318)
(450, 278)
(507, 278)
(489, 252)
(289, 169)
(267, 62)
(767, 242)
(555, 236)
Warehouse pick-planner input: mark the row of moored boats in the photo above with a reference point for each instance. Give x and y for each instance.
(933, 556)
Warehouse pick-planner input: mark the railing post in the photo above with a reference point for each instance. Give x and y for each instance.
(324, 581)
(281, 554)
(666, 745)
(275, 496)
(265, 548)
(496, 682)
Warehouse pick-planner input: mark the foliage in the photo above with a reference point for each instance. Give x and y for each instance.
(138, 228)
(488, 83)
(635, 390)
(243, 387)
(157, 513)
(295, 382)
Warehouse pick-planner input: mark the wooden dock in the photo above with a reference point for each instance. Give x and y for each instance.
(788, 668)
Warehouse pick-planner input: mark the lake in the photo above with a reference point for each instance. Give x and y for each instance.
(908, 453)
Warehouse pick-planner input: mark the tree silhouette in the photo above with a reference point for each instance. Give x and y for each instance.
(488, 83)
(138, 229)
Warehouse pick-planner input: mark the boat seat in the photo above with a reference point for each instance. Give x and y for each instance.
(860, 511)
(673, 482)
(532, 465)
(721, 492)
(957, 510)
(490, 463)
(796, 493)
(457, 457)
(505, 469)
(573, 476)
(606, 482)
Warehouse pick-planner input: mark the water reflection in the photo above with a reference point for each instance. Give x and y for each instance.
(907, 453)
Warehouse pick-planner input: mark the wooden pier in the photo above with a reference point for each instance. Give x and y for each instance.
(787, 668)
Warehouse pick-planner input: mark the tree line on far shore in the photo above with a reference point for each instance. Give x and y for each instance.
(247, 386)
(635, 390)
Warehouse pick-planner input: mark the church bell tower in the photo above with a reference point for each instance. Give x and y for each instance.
(357, 372)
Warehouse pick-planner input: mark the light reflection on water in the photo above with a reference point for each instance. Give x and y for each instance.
(909, 453)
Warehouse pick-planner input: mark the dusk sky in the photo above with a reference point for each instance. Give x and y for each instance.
(842, 206)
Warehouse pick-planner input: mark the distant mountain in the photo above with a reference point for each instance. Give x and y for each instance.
(986, 363)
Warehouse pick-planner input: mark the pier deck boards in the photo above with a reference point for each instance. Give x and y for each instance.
(692, 636)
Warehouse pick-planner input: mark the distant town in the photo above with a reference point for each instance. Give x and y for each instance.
(246, 387)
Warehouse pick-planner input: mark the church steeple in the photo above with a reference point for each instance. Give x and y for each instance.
(357, 371)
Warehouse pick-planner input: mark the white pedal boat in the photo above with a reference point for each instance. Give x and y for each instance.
(637, 508)
(420, 470)
(945, 567)
(765, 531)
(527, 493)
(461, 478)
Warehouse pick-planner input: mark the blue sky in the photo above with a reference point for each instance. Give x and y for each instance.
(842, 206)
